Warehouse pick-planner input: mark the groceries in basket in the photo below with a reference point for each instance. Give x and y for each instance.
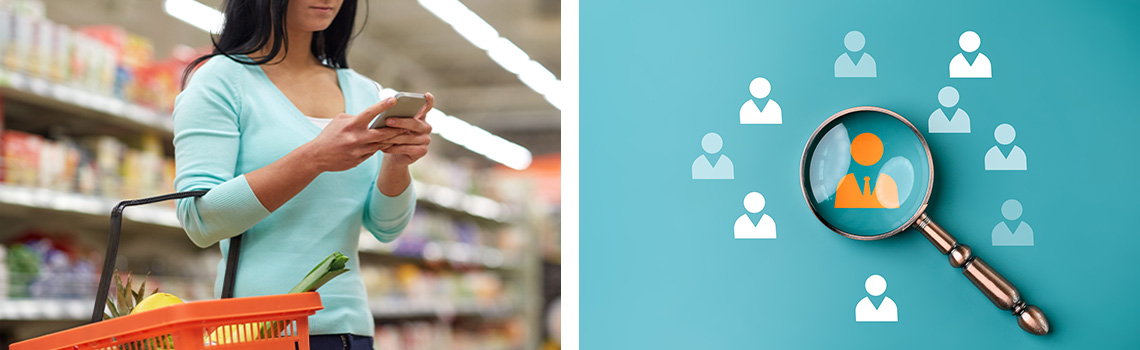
(128, 301)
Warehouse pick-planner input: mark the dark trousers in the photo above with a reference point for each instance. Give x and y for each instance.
(339, 342)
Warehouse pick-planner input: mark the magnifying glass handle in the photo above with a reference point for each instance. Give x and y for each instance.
(1002, 293)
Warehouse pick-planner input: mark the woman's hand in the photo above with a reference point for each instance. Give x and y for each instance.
(347, 141)
(412, 142)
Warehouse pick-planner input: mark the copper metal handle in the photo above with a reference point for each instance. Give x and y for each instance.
(1002, 293)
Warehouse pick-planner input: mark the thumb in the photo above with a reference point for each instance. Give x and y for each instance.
(372, 111)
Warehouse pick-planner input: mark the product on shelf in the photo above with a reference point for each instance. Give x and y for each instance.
(410, 288)
(104, 60)
(131, 53)
(59, 162)
(101, 165)
(422, 335)
(23, 267)
(437, 237)
(109, 154)
(458, 175)
(49, 266)
(62, 265)
(21, 157)
(23, 15)
(3, 272)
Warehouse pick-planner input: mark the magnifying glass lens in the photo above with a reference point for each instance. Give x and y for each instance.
(866, 174)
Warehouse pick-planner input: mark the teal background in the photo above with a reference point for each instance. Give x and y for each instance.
(660, 268)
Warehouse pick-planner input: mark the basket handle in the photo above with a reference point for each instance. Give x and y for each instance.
(113, 251)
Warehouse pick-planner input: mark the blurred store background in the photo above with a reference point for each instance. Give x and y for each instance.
(86, 89)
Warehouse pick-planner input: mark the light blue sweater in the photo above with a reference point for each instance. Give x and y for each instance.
(231, 120)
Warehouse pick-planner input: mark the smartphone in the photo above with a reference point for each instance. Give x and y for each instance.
(408, 104)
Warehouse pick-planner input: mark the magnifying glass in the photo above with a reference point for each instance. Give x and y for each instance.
(867, 173)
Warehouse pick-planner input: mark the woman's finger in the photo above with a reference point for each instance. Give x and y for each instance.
(372, 136)
(372, 111)
(415, 125)
(414, 151)
(422, 115)
(380, 146)
(410, 139)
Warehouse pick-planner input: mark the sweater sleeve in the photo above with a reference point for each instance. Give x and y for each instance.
(386, 217)
(206, 143)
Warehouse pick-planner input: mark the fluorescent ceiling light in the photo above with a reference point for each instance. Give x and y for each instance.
(196, 14)
(502, 51)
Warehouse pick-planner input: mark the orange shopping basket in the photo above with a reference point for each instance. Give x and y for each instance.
(264, 322)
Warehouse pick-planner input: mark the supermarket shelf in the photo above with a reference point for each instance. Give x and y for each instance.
(80, 310)
(455, 254)
(79, 103)
(388, 309)
(45, 309)
(459, 202)
(92, 205)
(71, 203)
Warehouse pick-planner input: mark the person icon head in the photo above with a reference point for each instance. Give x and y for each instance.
(1004, 134)
(866, 149)
(875, 285)
(754, 202)
(854, 41)
(948, 96)
(711, 143)
(760, 87)
(969, 41)
(1011, 210)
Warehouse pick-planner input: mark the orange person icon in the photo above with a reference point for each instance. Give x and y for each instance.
(867, 149)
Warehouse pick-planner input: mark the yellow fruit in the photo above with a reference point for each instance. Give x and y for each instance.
(155, 301)
(238, 333)
(229, 334)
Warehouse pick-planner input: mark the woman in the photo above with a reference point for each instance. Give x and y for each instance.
(274, 125)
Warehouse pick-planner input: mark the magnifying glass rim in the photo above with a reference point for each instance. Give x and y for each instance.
(929, 185)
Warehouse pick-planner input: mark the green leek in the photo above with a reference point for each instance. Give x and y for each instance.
(332, 266)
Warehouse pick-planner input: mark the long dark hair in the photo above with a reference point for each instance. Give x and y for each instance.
(248, 29)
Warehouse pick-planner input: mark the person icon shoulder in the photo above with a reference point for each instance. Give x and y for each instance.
(995, 160)
(865, 311)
